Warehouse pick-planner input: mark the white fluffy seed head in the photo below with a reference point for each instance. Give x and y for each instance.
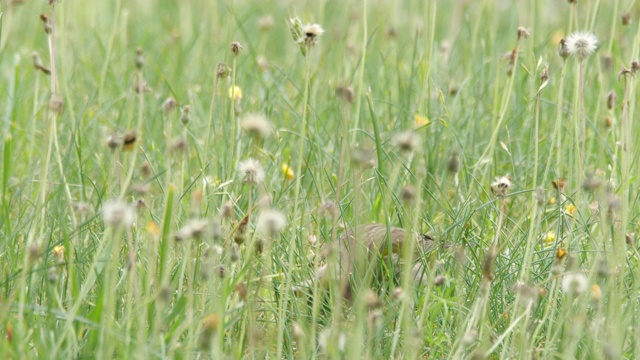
(257, 126)
(574, 283)
(251, 171)
(118, 213)
(271, 222)
(581, 44)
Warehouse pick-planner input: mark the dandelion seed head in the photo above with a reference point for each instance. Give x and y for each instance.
(581, 44)
(271, 222)
(574, 283)
(117, 213)
(257, 126)
(251, 171)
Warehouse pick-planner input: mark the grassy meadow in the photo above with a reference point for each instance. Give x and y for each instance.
(174, 173)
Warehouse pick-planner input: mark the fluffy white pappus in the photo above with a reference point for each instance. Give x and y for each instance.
(271, 222)
(581, 44)
(574, 283)
(251, 171)
(118, 213)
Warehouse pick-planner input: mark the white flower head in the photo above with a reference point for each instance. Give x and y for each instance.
(575, 283)
(271, 222)
(256, 125)
(251, 171)
(118, 213)
(581, 44)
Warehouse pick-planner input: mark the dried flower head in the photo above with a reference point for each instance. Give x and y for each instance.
(129, 140)
(559, 184)
(453, 163)
(251, 171)
(345, 93)
(113, 142)
(271, 222)
(581, 44)
(46, 23)
(523, 33)
(37, 63)
(117, 213)
(611, 99)
(236, 47)
(56, 104)
(408, 194)
(169, 104)
(562, 49)
(500, 185)
(544, 75)
(257, 126)
(139, 59)
(591, 182)
(574, 283)
(184, 114)
(222, 70)
(626, 18)
(406, 141)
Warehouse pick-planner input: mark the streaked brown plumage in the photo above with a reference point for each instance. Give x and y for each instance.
(373, 242)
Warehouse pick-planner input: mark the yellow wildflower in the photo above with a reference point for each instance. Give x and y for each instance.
(58, 254)
(596, 292)
(421, 121)
(548, 238)
(152, 228)
(570, 210)
(561, 253)
(287, 171)
(235, 93)
(551, 201)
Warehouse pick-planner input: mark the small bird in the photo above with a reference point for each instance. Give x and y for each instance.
(373, 242)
